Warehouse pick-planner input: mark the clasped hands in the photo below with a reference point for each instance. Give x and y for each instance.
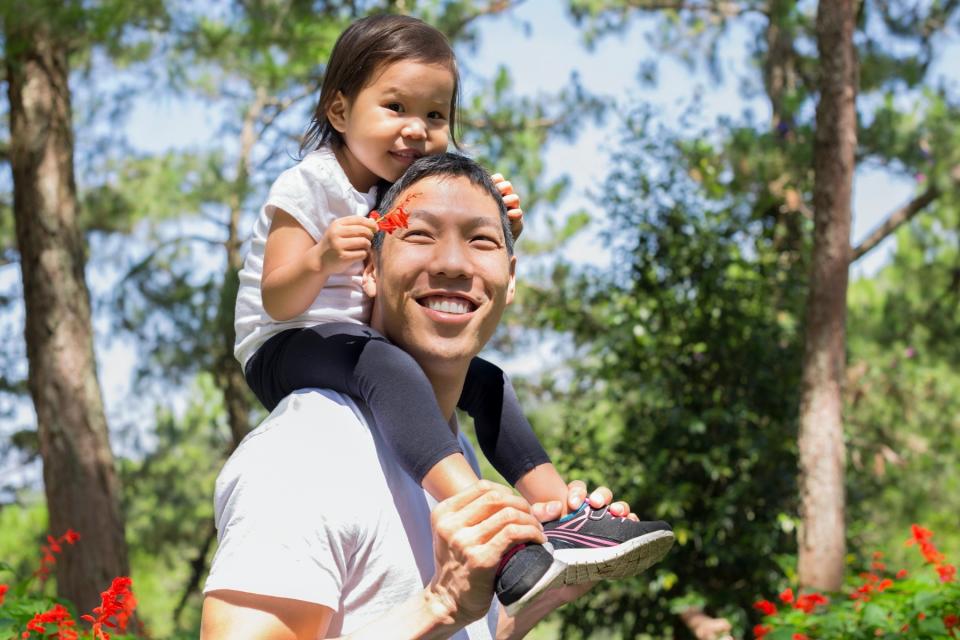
(473, 529)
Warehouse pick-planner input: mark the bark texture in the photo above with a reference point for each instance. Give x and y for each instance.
(822, 542)
(80, 481)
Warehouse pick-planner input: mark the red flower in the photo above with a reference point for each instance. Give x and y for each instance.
(885, 584)
(947, 572)
(116, 602)
(761, 630)
(786, 596)
(919, 534)
(950, 621)
(52, 547)
(877, 566)
(396, 218)
(901, 574)
(3, 592)
(766, 607)
(59, 616)
(800, 636)
(808, 601)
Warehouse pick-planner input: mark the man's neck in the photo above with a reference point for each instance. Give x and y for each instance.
(447, 382)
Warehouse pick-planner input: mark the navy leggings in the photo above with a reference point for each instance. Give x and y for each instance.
(357, 360)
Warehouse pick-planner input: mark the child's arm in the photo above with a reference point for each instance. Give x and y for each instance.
(512, 200)
(295, 268)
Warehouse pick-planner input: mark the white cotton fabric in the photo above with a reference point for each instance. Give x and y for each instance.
(315, 192)
(313, 506)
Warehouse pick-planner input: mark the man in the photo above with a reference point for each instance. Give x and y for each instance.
(321, 533)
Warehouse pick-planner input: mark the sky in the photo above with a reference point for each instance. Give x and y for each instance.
(541, 47)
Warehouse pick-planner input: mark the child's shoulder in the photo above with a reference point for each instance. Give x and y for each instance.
(318, 168)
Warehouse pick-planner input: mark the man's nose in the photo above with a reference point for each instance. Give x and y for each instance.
(414, 129)
(452, 258)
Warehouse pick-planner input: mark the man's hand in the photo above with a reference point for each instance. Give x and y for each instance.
(512, 200)
(518, 627)
(471, 532)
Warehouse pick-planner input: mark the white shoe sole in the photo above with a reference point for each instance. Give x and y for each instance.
(578, 566)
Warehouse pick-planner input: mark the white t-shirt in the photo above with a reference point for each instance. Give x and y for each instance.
(315, 192)
(314, 506)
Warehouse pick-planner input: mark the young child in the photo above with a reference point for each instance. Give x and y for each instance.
(389, 96)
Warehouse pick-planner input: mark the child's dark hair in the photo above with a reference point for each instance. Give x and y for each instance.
(361, 51)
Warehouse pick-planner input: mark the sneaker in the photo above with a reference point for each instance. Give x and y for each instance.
(584, 546)
(597, 545)
(525, 570)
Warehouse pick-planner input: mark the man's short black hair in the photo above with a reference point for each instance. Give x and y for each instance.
(451, 165)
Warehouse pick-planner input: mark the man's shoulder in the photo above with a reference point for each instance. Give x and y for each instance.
(309, 427)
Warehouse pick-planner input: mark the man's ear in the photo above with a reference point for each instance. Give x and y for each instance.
(369, 281)
(512, 285)
(337, 112)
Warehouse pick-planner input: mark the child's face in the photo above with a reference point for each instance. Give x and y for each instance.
(401, 115)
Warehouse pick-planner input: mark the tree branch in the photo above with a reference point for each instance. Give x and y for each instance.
(900, 216)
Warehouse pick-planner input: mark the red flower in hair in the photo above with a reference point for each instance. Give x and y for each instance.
(396, 218)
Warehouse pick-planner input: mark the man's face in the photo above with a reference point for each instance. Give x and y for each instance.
(441, 285)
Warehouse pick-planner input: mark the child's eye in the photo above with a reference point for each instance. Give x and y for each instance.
(395, 106)
(436, 115)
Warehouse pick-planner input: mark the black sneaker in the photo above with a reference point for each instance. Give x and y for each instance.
(521, 572)
(584, 546)
(597, 545)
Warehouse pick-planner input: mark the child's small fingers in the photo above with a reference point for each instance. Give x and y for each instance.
(505, 188)
(497, 177)
(515, 214)
(512, 201)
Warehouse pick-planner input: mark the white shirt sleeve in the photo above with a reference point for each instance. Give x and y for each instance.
(301, 191)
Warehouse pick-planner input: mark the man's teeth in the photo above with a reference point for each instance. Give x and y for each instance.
(448, 306)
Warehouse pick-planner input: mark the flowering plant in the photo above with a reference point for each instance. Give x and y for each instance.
(25, 612)
(878, 604)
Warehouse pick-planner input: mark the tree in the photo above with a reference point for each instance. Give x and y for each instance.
(822, 537)
(79, 476)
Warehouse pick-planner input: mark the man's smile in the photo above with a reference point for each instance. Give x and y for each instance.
(448, 304)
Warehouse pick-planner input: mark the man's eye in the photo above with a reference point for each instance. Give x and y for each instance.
(395, 106)
(416, 234)
(487, 242)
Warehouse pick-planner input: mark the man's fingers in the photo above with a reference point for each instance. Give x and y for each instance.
(520, 522)
(460, 500)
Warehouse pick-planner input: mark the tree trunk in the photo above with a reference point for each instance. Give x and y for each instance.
(80, 481)
(822, 542)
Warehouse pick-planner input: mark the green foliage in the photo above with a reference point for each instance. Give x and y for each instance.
(682, 392)
(879, 603)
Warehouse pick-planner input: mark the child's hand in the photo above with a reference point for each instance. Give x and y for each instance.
(512, 200)
(345, 241)
(600, 497)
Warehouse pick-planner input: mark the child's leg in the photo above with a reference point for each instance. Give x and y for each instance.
(355, 359)
(505, 435)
